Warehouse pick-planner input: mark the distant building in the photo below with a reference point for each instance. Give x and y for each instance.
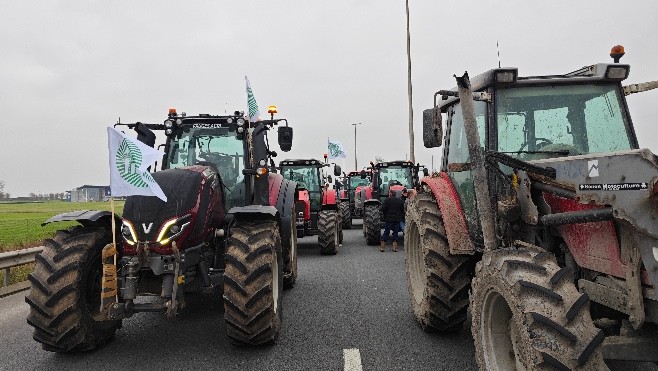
(89, 193)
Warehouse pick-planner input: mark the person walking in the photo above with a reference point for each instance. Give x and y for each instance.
(393, 212)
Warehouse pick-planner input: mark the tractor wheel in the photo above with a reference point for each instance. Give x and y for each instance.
(371, 224)
(528, 315)
(328, 232)
(290, 259)
(65, 291)
(253, 283)
(438, 281)
(344, 208)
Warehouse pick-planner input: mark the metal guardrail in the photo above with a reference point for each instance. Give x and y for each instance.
(12, 259)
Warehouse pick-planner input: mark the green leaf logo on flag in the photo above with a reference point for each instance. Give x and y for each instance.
(335, 149)
(129, 158)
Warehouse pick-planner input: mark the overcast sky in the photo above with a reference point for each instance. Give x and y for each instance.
(69, 69)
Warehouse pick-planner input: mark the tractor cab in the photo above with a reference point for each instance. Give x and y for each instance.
(317, 205)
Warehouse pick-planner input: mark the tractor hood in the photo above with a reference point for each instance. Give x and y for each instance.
(193, 196)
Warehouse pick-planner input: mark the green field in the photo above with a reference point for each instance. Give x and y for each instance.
(20, 222)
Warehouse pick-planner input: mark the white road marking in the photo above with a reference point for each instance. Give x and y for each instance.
(352, 360)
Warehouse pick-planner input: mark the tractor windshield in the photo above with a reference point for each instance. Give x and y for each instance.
(356, 181)
(219, 146)
(552, 121)
(307, 178)
(394, 175)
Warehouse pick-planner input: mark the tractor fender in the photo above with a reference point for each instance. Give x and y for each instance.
(453, 215)
(372, 201)
(329, 199)
(86, 218)
(255, 212)
(285, 203)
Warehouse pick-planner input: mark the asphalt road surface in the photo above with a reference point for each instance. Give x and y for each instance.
(350, 311)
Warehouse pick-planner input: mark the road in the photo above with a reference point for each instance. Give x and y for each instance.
(356, 300)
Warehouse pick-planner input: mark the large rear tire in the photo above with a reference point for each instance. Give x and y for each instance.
(64, 297)
(328, 232)
(253, 283)
(290, 259)
(528, 314)
(438, 282)
(344, 208)
(372, 224)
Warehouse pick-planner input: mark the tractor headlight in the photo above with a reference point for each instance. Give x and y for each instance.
(128, 233)
(168, 124)
(173, 228)
(240, 122)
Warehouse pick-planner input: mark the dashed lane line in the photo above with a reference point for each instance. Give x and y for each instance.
(352, 359)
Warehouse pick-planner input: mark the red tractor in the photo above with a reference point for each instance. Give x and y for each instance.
(228, 226)
(317, 205)
(543, 220)
(385, 177)
(351, 186)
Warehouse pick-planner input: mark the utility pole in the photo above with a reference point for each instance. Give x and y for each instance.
(411, 111)
(356, 166)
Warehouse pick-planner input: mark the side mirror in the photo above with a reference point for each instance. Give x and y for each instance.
(285, 138)
(145, 135)
(337, 170)
(363, 174)
(432, 128)
(426, 171)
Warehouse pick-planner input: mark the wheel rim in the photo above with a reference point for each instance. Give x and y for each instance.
(275, 281)
(416, 263)
(499, 334)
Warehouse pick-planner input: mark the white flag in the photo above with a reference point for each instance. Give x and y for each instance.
(129, 160)
(254, 113)
(335, 149)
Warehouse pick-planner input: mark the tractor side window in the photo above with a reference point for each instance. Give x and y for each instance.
(605, 124)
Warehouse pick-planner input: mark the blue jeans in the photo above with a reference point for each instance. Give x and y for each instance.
(391, 227)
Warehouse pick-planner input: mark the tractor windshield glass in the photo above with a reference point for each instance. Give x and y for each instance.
(356, 181)
(394, 175)
(307, 178)
(552, 121)
(219, 146)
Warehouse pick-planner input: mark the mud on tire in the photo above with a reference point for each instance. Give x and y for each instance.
(372, 224)
(64, 297)
(253, 283)
(438, 282)
(527, 311)
(328, 232)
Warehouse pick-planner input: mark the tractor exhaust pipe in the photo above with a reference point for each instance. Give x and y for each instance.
(480, 182)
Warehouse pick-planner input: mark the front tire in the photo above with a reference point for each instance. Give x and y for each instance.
(64, 297)
(438, 282)
(290, 260)
(344, 208)
(253, 283)
(528, 314)
(372, 224)
(328, 232)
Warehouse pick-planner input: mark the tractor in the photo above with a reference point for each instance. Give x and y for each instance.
(385, 176)
(317, 205)
(542, 220)
(352, 185)
(227, 228)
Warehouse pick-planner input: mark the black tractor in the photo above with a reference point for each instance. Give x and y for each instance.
(227, 228)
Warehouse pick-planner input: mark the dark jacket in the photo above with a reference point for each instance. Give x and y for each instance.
(393, 209)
